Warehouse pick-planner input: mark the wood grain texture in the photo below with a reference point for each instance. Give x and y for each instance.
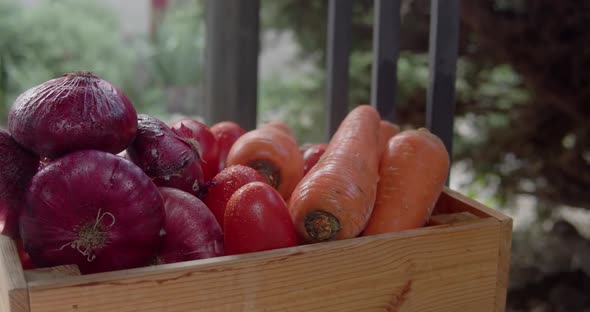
(437, 268)
(451, 201)
(52, 273)
(13, 288)
(452, 218)
(460, 262)
(503, 264)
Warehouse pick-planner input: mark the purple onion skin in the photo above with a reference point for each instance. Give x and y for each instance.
(188, 179)
(43, 162)
(167, 158)
(93, 209)
(192, 232)
(74, 112)
(17, 168)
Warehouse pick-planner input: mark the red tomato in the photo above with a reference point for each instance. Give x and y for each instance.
(303, 147)
(312, 154)
(225, 184)
(226, 133)
(257, 219)
(25, 259)
(193, 129)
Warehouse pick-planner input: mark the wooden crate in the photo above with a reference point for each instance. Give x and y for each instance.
(459, 262)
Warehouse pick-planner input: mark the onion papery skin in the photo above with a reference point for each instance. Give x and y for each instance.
(164, 156)
(92, 192)
(77, 111)
(17, 168)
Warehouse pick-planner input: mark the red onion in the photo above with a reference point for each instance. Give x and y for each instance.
(93, 209)
(191, 229)
(167, 158)
(195, 131)
(17, 167)
(74, 112)
(43, 162)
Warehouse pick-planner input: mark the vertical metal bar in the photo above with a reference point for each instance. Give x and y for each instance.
(3, 90)
(444, 46)
(338, 53)
(231, 86)
(386, 34)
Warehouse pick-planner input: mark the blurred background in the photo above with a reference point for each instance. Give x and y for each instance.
(522, 130)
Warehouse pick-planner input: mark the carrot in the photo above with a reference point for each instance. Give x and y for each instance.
(413, 171)
(273, 153)
(281, 125)
(387, 129)
(334, 200)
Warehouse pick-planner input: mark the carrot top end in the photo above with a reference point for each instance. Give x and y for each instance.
(321, 226)
(268, 170)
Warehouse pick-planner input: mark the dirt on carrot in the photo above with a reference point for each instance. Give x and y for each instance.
(273, 153)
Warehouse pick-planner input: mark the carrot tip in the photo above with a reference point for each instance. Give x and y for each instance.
(268, 170)
(321, 226)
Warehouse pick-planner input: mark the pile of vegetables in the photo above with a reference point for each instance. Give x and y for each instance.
(86, 180)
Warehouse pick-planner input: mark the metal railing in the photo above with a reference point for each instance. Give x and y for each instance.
(232, 58)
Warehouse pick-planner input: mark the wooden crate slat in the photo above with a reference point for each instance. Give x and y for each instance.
(503, 264)
(52, 273)
(443, 50)
(337, 63)
(13, 287)
(386, 44)
(455, 266)
(451, 201)
(452, 218)
(409, 271)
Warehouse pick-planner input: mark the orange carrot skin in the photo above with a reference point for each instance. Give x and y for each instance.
(387, 130)
(413, 171)
(343, 182)
(272, 146)
(280, 125)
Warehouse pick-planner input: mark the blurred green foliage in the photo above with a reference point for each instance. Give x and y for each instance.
(297, 101)
(59, 36)
(176, 53)
(488, 94)
(84, 36)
